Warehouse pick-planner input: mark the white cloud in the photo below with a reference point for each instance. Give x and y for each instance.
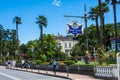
(56, 2)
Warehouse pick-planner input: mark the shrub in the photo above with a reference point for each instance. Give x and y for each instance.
(37, 61)
(43, 58)
(70, 62)
(76, 60)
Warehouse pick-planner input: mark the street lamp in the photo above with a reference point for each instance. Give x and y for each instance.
(85, 17)
(32, 49)
(16, 54)
(95, 56)
(58, 46)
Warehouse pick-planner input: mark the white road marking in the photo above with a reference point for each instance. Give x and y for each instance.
(9, 76)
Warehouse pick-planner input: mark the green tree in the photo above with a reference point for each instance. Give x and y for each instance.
(94, 16)
(1, 37)
(50, 47)
(114, 2)
(102, 8)
(13, 39)
(42, 22)
(49, 43)
(23, 48)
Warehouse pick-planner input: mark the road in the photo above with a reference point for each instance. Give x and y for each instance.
(8, 74)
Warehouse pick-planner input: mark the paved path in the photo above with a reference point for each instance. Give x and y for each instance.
(59, 74)
(10, 74)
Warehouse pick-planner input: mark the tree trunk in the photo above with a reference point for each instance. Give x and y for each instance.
(97, 28)
(17, 30)
(41, 38)
(114, 11)
(17, 35)
(101, 24)
(104, 34)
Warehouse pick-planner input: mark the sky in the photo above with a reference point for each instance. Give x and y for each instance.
(53, 10)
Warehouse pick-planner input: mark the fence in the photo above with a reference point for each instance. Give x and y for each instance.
(106, 71)
(109, 72)
(88, 70)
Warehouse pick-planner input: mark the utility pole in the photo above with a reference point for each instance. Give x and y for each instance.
(85, 19)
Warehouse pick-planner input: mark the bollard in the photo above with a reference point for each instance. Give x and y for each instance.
(46, 69)
(67, 68)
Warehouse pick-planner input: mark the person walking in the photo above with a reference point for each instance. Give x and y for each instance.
(54, 66)
(23, 63)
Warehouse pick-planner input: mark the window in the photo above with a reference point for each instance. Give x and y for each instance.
(118, 47)
(58, 44)
(70, 45)
(65, 45)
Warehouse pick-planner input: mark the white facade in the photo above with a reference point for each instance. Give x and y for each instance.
(67, 44)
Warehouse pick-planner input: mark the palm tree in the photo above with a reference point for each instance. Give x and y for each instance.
(42, 22)
(104, 9)
(101, 24)
(17, 21)
(114, 2)
(94, 16)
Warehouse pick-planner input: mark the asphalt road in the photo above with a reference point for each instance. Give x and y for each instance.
(7, 74)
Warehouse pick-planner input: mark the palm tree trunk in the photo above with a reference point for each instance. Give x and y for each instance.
(104, 34)
(41, 38)
(17, 30)
(114, 11)
(101, 24)
(97, 28)
(17, 35)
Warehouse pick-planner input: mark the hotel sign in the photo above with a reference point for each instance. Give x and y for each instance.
(74, 29)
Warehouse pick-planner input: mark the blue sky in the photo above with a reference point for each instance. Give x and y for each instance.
(28, 10)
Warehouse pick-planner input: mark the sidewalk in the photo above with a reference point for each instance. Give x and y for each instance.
(58, 74)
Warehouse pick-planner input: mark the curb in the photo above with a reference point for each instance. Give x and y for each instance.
(43, 74)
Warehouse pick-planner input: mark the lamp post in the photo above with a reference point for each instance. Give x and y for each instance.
(32, 49)
(16, 54)
(85, 17)
(95, 56)
(58, 46)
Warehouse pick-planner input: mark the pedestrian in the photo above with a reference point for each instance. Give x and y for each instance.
(23, 63)
(9, 63)
(54, 66)
(13, 63)
(28, 65)
(86, 59)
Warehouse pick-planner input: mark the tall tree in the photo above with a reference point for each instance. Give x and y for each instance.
(17, 21)
(42, 22)
(101, 23)
(102, 7)
(94, 16)
(14, 42)
(114, 2)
